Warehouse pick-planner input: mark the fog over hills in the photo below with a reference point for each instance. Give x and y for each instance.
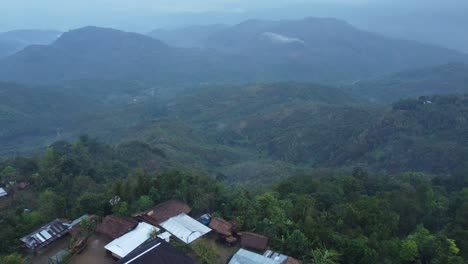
(189, 37)
(440, 22)
(309, 131)
(15, 40)
(312, 49)
(443, 79)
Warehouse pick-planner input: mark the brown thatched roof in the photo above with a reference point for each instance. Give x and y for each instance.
(164, 211)
(114, 226)
(253, 241)
(221, 226)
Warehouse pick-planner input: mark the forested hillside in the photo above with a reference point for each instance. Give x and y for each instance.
(36, 120)
(320, 126)
(443, 79)
(33, 117)
(346, 216)
(250, 131)
(309, 50)
(426, 134)
(368, 172)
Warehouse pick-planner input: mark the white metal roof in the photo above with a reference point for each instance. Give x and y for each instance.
(45, 234)
(125, 244)
(165, 236)
(246, 257)
(3, 192)
(185, 228)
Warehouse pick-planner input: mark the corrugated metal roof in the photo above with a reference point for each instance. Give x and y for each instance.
(166, 236)
(3, 192)
(79, 219)
(46, 234)
(247, 257)
(275, 255)
(125, 244)
(185, 228)
(156, 251)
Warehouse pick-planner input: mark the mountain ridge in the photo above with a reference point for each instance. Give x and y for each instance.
(334, 52)
(15, 40)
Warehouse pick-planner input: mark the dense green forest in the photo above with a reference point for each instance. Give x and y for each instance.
(349, 216)
(427, 134)
(249, 132)
(368, 165)
(443, 79)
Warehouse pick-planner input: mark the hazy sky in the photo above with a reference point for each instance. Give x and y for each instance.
(148, 6)
(64, 14)
(443, 22)
(146, 14)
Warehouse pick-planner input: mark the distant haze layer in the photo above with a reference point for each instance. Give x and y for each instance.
(439, 22)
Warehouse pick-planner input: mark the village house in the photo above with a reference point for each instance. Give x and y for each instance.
(173, 217)
(114, 226)
(253, 241)
(124, 245)
(185, 228)
(163, 211)
(224, 229)
(50, 232)
(46, 234)
(269, 257)
(156, 251)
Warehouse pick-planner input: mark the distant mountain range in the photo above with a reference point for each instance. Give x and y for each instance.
(238, 99)
(314, 44)
(188, 37)
(308, 50)
(443, 79)
(14, 41)
(8, 47)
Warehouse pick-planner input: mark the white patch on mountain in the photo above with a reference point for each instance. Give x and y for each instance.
(282, 39)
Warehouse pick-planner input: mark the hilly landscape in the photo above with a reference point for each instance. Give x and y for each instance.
(334, 144)
(252, 130)
(189, 37)
(309, 50)
(442, 79)
(15, 40)
(315, 49)
(313, 126)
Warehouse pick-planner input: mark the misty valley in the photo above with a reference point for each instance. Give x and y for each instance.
(293, 141)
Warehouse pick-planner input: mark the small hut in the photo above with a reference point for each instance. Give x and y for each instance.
(253, 241)
(224, 230)
(113, 226)
(163, 211)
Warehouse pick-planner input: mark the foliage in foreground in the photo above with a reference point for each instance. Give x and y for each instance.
(327, 216)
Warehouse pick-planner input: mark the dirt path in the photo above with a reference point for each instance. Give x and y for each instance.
(94, 252)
